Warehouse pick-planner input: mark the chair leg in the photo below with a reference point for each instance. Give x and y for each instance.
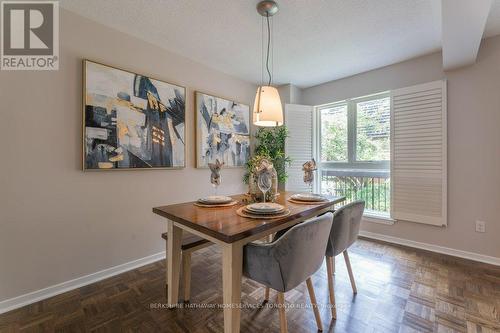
(186, 275)
(266, 295)
(281, 308)
(329, 270)
(312, 296)
(349, 270)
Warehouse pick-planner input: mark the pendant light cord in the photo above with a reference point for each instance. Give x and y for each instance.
(268, 45)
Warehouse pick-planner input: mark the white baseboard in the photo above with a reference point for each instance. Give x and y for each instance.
(433, 248)
(38, 295)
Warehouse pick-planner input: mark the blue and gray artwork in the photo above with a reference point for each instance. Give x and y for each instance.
(223, 131)
(132, 121)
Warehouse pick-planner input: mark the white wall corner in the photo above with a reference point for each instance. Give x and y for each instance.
(463, 24)
(290, 94)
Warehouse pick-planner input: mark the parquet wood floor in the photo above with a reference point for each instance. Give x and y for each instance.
(399, 290)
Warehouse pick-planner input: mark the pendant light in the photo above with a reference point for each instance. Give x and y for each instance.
(267, 109)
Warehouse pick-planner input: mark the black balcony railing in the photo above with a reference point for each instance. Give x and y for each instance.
(372, 186)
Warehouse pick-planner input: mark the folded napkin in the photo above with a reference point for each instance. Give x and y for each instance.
(264, 166)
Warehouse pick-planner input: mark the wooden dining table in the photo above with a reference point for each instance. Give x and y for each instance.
(225, 228)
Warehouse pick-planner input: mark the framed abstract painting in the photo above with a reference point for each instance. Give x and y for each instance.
(131, 121)
(222, 131)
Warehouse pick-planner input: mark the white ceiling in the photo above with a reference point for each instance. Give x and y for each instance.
(315, 40)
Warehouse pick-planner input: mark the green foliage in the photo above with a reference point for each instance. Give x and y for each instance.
(372, 137)
(372, 132)
(270, 144)
(334, 142)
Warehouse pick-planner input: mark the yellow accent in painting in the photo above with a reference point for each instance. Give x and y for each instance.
(105, 165)
(116, 158)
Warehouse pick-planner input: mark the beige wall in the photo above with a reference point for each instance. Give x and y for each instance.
(59, 223)
(473, 144)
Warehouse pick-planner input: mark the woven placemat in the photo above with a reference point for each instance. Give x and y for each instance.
(307, 202)
(232, 203)
(241, 212)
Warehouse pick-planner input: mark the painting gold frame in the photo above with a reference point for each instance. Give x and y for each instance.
(197, 148)
(85, 61)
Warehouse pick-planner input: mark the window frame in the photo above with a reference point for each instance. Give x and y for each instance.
(351, 163)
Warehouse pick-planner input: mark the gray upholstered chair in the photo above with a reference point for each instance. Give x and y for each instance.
(345, 229)
(290, 260)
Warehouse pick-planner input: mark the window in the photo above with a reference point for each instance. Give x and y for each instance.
(388, 149)
(334, 133)
(373, 126)
(354, 150)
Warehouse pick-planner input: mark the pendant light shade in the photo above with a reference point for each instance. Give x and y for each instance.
(267, 109)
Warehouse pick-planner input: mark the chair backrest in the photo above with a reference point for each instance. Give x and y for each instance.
(301, 250)
(345, 228)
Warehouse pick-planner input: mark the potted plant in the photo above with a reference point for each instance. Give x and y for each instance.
(270, 145)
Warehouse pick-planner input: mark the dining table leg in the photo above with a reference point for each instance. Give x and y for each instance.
(232, 257)
(174, 242)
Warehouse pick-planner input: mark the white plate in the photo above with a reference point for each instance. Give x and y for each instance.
(216, 199)
(263, 213)
(308, 197)
(265, 207)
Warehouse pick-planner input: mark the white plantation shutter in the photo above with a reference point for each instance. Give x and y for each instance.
(418, 153)
(299, 145)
